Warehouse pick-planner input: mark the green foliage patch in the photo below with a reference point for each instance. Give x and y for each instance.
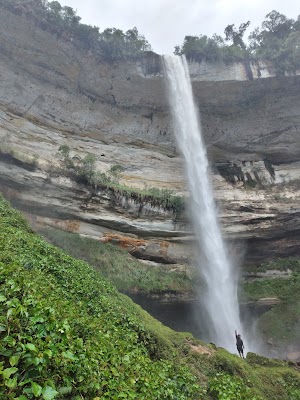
(230, 377)
(225, 387)
(281, 323)
(276, 41)
(124, 271)
(284, 288)
(66, 332)
(83, 170)
(280, 264)
(110, 45)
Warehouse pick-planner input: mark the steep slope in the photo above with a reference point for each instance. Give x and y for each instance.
(66, 333)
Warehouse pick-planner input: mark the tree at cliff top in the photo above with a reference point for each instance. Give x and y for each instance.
(213, 49)
(111, 44)
(203, 48)
(277, 41)
(235, 35)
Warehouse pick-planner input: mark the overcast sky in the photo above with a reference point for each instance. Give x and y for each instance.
(165, 23)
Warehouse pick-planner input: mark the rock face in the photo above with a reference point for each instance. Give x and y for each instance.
(53, 94)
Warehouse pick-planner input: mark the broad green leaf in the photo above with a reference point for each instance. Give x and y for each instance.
(31, 347)
(69, 355)
(49, 393)
(10, 312)
(22, 397)
(48, 353)
(12, 383)
(23, 383)
(13, 360)
(8, 372)
(2, 328)
(2, 298)
(9, 340)
(36, 389)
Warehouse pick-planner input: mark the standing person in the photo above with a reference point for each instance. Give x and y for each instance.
(239, 344)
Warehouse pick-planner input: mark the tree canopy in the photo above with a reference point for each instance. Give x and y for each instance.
(277, 40)
(63, 21)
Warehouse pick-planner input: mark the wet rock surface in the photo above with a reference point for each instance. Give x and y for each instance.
(119, 113)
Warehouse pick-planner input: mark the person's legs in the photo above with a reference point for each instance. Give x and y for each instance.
(241, 353)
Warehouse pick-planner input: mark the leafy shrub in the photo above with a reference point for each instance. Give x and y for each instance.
(117, 265)
(227, 387)
(84, 171)
(65, 332)
(115, 169)
(256, 359)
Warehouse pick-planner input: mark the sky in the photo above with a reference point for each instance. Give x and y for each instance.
(165, 23)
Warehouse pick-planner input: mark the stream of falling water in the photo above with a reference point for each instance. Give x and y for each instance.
(220, 300)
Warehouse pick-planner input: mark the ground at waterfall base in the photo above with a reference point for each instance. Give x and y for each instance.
(277, 280)
(66, 332)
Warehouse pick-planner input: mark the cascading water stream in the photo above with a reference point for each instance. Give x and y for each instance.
(221, 300)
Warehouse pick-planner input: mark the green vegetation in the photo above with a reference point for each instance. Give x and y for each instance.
(277, 41)
(115, 170)
(11, 156)
(224, 387)
(280, 264)
(164, 198)
(203, 48)
(66, 333)
(84, 171)
(258, 378)
(282, 322)
(115, 264)
(274, 287)
(110, 45)
(80, 169)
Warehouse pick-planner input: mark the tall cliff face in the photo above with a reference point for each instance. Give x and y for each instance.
(48, 79)
(52, 94)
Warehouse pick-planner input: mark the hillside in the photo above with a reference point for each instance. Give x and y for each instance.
(67, 333)
(87, 148)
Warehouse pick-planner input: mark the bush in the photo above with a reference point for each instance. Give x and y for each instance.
(65, 332)
(84, 171)
(227, 387)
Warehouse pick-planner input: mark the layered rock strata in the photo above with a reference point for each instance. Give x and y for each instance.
(53, 94)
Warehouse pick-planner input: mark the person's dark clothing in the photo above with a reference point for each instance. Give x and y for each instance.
(239, 344)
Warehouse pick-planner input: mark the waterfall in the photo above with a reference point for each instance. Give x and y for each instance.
(221, 281)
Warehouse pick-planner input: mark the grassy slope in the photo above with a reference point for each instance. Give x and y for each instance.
(67, 333)
(127, 273)
(116, 264)
(282, 322)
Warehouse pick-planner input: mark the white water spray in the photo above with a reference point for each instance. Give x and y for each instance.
(221, 298)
